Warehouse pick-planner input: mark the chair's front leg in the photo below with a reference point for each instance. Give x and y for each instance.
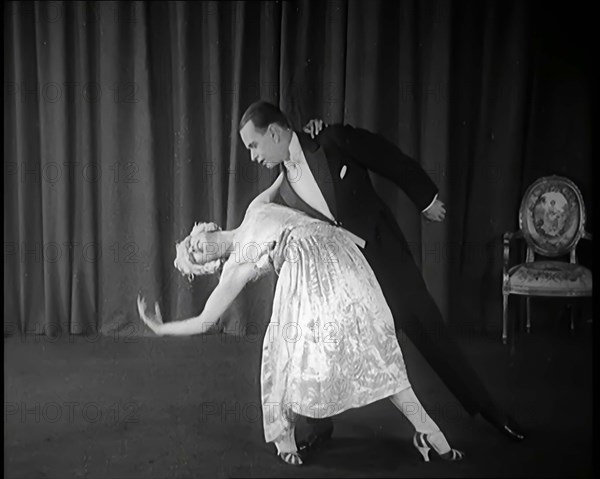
(528, 314)
(506, 242)
(504, 317)
(575, 314)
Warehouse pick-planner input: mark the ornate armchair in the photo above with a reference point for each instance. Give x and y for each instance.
(551, 221)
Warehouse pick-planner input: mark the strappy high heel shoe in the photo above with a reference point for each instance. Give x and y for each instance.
(292, 458)
(423, 444)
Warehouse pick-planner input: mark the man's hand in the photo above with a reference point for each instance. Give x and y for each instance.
(436, 212)
(314, 127)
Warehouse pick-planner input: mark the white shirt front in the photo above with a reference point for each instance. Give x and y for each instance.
(304, 184)
(302, 180)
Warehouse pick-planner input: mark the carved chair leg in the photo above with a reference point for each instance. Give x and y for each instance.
(521, 316)
(574, 315)
(504, 317)
(528, 313)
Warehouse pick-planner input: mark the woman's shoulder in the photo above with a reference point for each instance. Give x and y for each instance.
(256, 208)
(264, 206)
(259, 218)
(274, 214)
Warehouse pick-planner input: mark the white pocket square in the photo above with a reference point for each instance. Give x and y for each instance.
(343, 172)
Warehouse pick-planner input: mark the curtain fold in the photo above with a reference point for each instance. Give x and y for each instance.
(121, 132)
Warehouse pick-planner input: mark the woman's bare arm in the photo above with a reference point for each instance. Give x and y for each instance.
(233, 279)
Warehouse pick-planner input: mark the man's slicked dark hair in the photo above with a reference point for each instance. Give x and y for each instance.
(262, 114)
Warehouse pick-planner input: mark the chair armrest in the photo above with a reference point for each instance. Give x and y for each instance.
(510, 235)
(506, 239)
(573, 255)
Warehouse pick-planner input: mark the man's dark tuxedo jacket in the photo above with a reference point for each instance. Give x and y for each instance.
(352, 199)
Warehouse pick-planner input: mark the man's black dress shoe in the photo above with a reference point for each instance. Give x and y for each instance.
(512, 432)
(505, 425)
(315, 438)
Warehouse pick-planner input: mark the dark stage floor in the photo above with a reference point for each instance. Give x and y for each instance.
(190, 407)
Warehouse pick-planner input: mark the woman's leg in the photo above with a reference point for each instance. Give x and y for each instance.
(408, 402)
(286, 443)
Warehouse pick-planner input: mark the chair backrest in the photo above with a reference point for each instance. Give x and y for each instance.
(552, 216)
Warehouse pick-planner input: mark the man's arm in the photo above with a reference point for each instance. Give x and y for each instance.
(381, 156)
(269, 194)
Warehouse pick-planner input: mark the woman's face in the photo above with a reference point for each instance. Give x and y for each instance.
(207, 246)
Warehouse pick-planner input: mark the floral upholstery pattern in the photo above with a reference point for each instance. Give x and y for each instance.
(550, 278)
(550, 217)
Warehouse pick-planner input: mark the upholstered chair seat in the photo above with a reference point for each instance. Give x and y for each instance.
(550, 278)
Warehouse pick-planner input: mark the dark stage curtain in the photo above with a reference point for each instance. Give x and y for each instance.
(120, 125)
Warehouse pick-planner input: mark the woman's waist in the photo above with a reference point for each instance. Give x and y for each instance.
(312, 229)
(317, 240)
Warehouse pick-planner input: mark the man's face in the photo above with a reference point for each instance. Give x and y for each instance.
(268, 149)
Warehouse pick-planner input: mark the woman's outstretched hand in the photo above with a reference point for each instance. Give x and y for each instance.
(314, 127)
(155, 322)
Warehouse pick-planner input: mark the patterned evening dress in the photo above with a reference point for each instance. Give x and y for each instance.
(331, 344)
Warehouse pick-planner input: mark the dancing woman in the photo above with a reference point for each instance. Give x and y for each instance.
(331, 343)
